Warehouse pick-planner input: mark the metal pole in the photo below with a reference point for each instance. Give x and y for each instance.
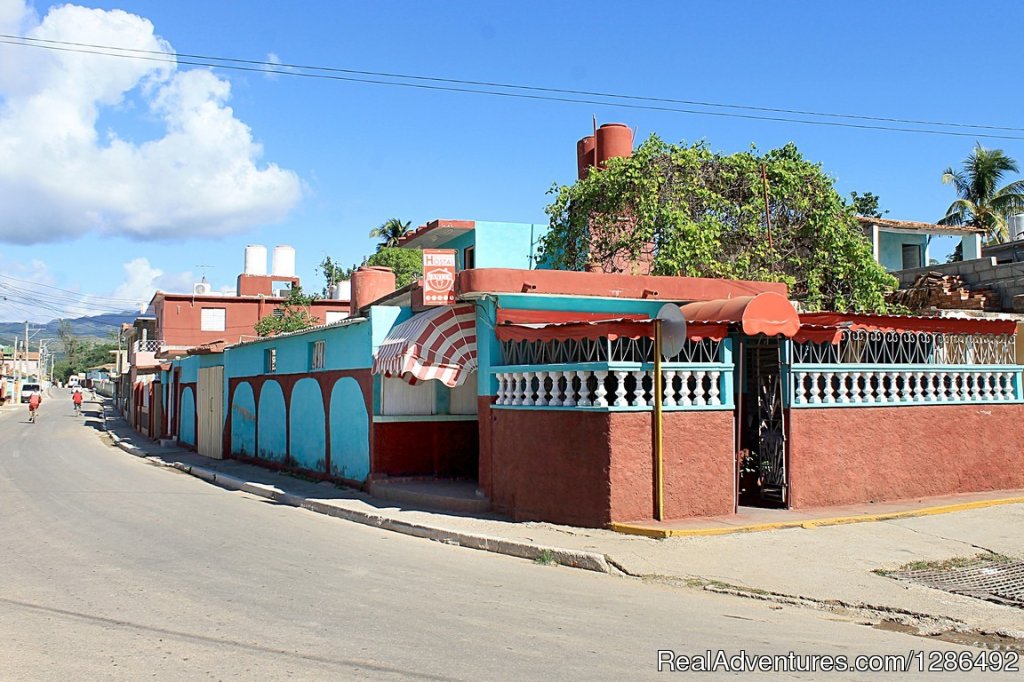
(17, 372)
(659, 466)
(26, 346)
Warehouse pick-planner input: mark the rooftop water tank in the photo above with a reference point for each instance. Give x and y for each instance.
(255, 260)
(1016, 227)
(283, 261)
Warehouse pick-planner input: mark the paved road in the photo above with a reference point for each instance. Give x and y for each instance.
(113, 569)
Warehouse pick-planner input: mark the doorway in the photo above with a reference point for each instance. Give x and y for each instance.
(762, 460)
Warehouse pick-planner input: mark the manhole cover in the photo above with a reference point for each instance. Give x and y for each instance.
(997, 581)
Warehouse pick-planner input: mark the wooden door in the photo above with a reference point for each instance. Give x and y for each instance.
(210, 412)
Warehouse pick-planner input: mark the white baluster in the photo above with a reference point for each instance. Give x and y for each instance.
(869, 387)
(684, 388)
(569, 399)
(931, 395)
(584, 400)
(940, 387)
(830, 392)
(620, 389)
(517, 395)
(700, 394)
(844, 389)
(987, 385)
(905, 391)
(639, 399)
(815, 389)
(600, 391)
(956, 386)
(798, 387)
(499, 397)
(714, 399)
(855, 389)
(528, 398)
(669, 389)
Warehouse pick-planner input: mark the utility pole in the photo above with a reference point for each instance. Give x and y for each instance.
(26, 347)
(17, 372)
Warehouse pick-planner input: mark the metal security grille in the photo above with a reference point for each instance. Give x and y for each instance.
(602, 349)
(996, 581)
(892, 347)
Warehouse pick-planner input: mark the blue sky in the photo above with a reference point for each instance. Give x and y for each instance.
(347, 156)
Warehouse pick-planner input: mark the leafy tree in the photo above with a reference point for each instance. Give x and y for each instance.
(84, 355)
(407, 263)
(389, 232)
(295, 316)
(695, 212)
(981, 202)
(866, 204)
(333, 273)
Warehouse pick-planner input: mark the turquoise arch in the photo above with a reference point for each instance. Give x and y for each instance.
(243, 421)
(187, 418)
(308, 438)
(272, 443)
(350, 438)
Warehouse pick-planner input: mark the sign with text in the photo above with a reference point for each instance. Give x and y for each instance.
(438, 276)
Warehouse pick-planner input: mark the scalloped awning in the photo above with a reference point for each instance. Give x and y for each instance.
(768, 313)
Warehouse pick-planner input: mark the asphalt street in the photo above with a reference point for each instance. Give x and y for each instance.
(113, 569)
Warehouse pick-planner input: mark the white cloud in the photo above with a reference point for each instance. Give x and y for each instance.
(61, 177)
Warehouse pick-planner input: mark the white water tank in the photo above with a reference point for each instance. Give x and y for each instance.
(1016, 227)
(342, 291)
(283, 261)
(255, 259)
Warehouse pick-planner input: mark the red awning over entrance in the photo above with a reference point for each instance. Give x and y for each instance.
(768, 313)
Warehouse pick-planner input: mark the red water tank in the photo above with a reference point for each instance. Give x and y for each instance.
(613, 139)
(584, 156)
(370, 283)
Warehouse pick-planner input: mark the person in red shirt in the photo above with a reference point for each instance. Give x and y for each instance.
(33, 404)
(77, 400)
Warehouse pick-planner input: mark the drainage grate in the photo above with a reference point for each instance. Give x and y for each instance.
(997, 581)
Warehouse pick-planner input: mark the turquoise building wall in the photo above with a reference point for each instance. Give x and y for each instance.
(890, 248)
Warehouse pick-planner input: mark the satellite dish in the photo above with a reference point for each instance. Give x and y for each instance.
(673, 330)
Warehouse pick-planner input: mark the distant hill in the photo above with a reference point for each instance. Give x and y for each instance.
(96, 326)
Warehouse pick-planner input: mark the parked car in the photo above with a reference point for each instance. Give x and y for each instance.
(27, 390)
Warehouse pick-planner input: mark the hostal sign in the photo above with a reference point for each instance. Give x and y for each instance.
(438, 276)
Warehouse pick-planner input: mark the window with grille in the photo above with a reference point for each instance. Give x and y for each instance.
(212, 319)
(278, 313)
(318, 355)
(270, 360)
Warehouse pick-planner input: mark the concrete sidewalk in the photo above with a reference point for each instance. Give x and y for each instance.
(830, 567)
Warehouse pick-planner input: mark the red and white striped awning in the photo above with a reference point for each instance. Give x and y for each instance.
(437, 344)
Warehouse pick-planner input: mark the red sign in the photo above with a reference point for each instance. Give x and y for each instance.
(438, 276)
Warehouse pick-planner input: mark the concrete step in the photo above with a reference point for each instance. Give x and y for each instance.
(455, 496)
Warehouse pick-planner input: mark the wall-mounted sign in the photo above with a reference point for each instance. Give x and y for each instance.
(438, 276)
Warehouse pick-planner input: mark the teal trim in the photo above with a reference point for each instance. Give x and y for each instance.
(612, 408)
(933, 403)
(850, 367)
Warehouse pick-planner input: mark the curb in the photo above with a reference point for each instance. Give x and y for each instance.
(662, 533)
(588, 561)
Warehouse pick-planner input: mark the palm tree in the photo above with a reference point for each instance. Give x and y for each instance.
(981, 202)
(389, 232)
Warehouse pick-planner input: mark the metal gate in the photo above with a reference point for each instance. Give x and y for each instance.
(769, 418)
(210, 412)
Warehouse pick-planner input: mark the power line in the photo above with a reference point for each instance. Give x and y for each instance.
(68, 291)
(515, 86)
(329, 73)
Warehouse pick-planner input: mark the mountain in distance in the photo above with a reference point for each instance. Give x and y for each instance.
(95, 326)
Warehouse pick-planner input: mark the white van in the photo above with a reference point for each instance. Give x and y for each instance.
(28, 390)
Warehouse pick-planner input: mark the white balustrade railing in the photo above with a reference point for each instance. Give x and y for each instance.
(608, 388)
(887, 386)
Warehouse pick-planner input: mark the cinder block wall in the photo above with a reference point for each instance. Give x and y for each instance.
(1006, 279)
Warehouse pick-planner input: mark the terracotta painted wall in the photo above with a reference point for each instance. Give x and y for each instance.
(849, 455)
(179, 319)
(698, 465)
(592, 468)
(448, 449)
(551, 465)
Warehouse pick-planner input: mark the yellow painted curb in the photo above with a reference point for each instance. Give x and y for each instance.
(661, 533)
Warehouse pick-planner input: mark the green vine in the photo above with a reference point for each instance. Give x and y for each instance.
(694, 212)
